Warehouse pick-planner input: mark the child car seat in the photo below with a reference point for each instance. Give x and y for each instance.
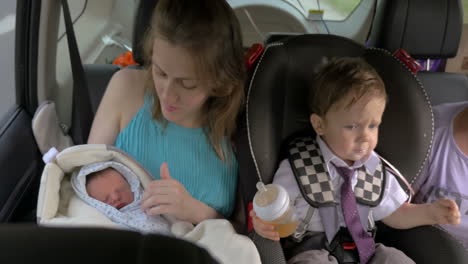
(276, 109)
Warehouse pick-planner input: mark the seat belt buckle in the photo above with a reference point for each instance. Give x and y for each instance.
(373, 231)
(297, 236)
(409, 61)
(348, 245)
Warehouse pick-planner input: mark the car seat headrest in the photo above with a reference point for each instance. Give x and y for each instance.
(425, 29)
(278, 92)
(140, 26)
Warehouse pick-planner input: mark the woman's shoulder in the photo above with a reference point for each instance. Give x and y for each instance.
(122, 99)
(128, 82)
(127, 88)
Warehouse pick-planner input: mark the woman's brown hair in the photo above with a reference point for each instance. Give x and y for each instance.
(210, 31)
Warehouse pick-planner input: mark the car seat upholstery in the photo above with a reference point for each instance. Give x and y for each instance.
(426, 30)
(276, 109)
(445, 87)
(98, 77)
(423, 28)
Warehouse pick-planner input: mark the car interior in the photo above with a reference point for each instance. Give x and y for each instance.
(50, 68)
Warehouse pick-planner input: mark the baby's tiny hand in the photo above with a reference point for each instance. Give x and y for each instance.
(263, 229)
(446, 211)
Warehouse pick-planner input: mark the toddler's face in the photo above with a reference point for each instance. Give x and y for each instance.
(110, 187)
(352, 132)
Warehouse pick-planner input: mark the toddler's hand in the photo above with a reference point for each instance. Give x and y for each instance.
(445, 211)
(263, 229)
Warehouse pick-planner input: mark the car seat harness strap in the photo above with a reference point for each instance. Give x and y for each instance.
(313, 178)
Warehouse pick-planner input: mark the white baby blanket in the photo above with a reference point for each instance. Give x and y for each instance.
(58, 205)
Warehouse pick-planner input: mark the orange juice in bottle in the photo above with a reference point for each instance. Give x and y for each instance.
(271, 203)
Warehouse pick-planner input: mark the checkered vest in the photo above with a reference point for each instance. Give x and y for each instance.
(314, 180)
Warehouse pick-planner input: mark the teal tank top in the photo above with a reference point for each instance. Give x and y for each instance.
(189, 155)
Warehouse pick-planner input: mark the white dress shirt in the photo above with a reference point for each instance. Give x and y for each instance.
(393, 197)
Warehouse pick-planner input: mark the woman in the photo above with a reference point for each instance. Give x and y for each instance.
(181, 109)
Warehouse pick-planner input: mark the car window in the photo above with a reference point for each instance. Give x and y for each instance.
(7, 55)
(332, 9)
(465, 9)
(103, 31)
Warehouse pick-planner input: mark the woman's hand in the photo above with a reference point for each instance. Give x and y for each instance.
(168, 196)
(263, 229)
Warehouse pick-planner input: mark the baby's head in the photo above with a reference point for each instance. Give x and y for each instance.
(346, 106)
(109, 187)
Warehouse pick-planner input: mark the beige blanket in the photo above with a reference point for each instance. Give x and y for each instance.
(59, 206)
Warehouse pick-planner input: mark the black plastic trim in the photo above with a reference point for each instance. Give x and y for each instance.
(26, 53)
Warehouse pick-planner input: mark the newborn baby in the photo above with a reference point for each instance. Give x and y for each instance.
(114, 190)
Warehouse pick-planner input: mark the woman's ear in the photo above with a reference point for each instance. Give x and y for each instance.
(317, 123)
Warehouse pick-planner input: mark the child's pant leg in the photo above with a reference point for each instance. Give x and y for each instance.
(389, 255)
(320, 256)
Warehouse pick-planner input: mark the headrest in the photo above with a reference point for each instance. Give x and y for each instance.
(277, 106)
(140, 25)
(426, 29)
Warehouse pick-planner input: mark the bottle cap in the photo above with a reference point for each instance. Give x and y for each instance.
(270, 201)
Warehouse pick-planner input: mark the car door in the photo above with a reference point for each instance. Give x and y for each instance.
(20, 159)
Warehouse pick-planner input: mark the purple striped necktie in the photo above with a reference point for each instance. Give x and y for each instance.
(364, 242)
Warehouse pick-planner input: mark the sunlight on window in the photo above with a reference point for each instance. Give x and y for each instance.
(465, 9)
(334, 9)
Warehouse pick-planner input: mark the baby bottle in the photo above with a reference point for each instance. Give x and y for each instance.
(271, 204)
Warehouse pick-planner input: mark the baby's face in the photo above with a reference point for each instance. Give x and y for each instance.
(110, 187)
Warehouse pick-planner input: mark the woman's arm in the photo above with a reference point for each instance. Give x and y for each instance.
(122, 99)
(408, 215)
(203, 212)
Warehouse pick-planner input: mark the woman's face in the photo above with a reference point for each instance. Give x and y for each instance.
(181, 94)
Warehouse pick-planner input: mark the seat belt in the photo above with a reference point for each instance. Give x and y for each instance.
(82, 115)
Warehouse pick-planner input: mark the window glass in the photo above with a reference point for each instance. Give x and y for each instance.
(333, 9)
(465, 9)
(103, 31)
(7, 55)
